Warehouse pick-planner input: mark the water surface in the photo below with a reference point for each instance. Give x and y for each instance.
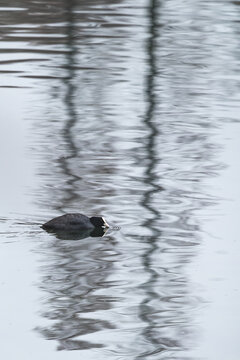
(129, 110)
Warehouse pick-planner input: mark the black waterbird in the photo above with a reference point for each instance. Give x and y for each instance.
(75, 222)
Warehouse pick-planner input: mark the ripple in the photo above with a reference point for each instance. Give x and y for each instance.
(123, 115)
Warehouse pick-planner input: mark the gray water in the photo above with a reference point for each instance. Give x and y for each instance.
(128, 109)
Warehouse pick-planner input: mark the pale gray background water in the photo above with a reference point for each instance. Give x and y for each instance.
(128, 109)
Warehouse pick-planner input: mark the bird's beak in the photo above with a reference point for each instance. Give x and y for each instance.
(105, 224)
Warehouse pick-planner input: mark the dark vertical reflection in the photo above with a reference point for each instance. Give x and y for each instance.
(80, 268)
(69, 191)
(152, 157)
(166, 298)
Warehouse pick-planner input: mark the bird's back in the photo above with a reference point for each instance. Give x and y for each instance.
(69, 222)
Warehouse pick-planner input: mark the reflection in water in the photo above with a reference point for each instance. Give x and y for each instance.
(72, 151)
(166, 302)
(79, 269)
(146, 310)
(78, 235)
(125, 130)
(78, 273)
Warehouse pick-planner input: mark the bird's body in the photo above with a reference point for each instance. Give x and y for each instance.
(75, 222)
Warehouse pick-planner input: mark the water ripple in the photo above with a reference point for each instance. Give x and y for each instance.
(122, 107)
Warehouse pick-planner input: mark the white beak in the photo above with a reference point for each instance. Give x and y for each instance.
(105, 223)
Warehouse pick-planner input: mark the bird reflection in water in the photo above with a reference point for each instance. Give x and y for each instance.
(78, 235)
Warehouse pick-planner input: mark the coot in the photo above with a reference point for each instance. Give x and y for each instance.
(75, 222)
